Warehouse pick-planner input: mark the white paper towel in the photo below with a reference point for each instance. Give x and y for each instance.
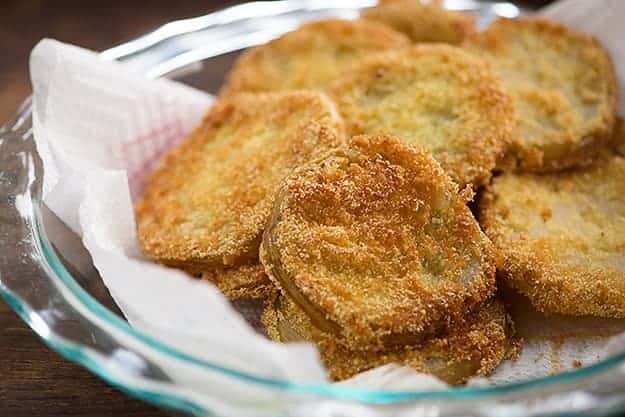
(100, 128)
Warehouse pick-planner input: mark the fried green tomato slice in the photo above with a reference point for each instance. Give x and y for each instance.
(563, 87)
(562, 237)
(376, 245)
(207, 203)
(473, 347)
(311, 56)
(423, 22)
(434, 96)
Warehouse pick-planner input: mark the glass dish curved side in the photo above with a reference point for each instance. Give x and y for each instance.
(40, 289)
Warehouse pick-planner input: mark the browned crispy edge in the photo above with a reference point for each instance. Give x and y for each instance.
(475, 347)
(241, 282)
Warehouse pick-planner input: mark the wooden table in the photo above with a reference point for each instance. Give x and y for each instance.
(35, 381)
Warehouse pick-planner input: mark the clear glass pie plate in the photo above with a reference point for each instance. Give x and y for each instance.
(48, 278)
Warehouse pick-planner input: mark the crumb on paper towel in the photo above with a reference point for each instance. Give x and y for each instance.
(556, 364)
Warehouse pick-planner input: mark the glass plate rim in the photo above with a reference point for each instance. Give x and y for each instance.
(311, 388)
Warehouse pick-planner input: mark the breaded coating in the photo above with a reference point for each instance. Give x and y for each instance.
(423, 22)
(562, 237)
(207, 203)
(473, 347)
(376, 245)
(241, 282)
(618, 137)
(433, 96)
(311, 56)
(563, 87)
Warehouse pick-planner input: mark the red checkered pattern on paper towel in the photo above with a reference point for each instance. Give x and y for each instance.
(142, 153)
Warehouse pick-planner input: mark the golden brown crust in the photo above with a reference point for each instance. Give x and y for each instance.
(473, 347)
(207, 203)
(311, 56)
(375, 243)
(423, 22)
(433, 96)
(618, 137)
(563, 87)
(562, 237)
(241, 282)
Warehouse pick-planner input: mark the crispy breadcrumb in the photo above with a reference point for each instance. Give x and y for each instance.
(433, 96)
(563, 87)
(376, 244)
(573, 261)
(473, 347)
(206, 205)
(241, 282)
(311, 56)
(618, 138)
(423, 22)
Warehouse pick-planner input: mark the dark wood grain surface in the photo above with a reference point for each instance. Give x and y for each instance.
(35, 381)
